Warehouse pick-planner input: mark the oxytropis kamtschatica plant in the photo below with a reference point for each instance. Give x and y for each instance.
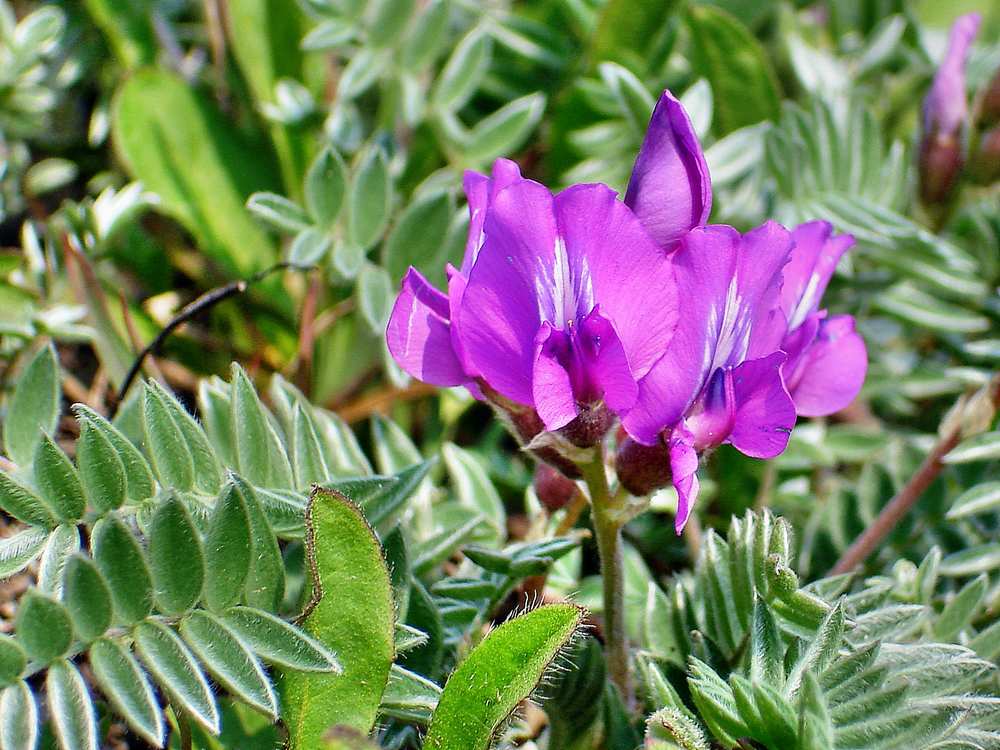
(574, 312)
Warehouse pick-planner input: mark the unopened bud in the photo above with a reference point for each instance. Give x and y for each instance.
(590, 425)
(985, 163)
(940, 165)
(642, 468)
(554, 490)
(990, 109)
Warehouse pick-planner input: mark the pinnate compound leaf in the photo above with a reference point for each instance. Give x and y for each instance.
(18, 718)
(33, 408)
(123, 565)
(19, 550)
(87, 598)
(279, 642)
(70, 707)
(227, 549)
(170, 454)
(22, 503)
(57, 481)
(177, 672)
(126, 685)
(207, 473)
(63, 542)
(101, 468)
(43, 627)
(259, 455)
(353, 617)
(176, 559)
(497, 675)
(229, 661)
(138, 477)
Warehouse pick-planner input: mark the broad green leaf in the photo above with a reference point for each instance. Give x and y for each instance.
(18, 718)
(227, 550)
(13, 660)
(369, 198)
(383, 499)
(176, 671)
(57, 481)
(126, 685)
(43, 627)
(33, 408)
(138, 477)
(71, 710)
(958, 613)
(463, 72)
(174, 140)
(123, 565)
(497, 675)
(20, 502)
(473, 487)
(265, 583)
(279, 642)
(102, 471)
(278, 212)
(176, 558)
(409, 697)
(63, 543)
(170, 454)
(985, 447)
(736, 66)
(19, 550)
(87, 598)
(375, 295)
(326, 187)
(505, 130)
(418, 237)
(229, 661)
(347, 559)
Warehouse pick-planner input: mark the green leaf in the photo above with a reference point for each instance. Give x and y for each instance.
(474, 489)
(632, 98)
(87, 598)
(102, 471)
(19, 550)
(261, 458)
(279, 642)
(13, 660)
(409, 697)
(20, 502)
(326, 187)
(427, 36)
(497, 675)
(626, 30)
(123, 565)
(985, 447)
(347, 559)
(129, 29)
(766, 648)
(63, 542)
(383, 499)
(958, 612)
(463, 72)
(982, 558)
(369, 198)
(18, 718)
(33, 408)
(176, 559)
(128, 689)
(307, 450)
(207, 473)
(170, 453)
(57, 481)
(504, 130)
(375, 295)
(983, 498)
(739, 71)
(389, 21)
(43, 627)
(265, 584)
(176, 671)
(138, 477)
(70, 707)
(418, 237)
(361, 72)
(227, 550)
(229, 661)
(175, 141)
(279, 213)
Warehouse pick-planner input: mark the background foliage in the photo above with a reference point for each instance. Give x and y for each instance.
(170, 579)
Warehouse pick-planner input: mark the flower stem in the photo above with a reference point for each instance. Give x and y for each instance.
(607, 530)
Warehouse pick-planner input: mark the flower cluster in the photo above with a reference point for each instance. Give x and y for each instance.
(579, 306)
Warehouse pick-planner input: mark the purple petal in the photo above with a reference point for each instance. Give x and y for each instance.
(479, 191)
(456, 293)
(419, 333)
(500, 314)
(552, 387)
(764, 253)
(606, 361)
(765, 413)
(830, 372)
(684, 471)
(813, 261)
(945, 107)
(632, 279)
(670, 189)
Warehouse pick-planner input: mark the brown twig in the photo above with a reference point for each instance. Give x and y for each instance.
(907, 497)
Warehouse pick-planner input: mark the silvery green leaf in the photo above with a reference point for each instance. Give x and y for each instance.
(409, 697)
(369, 198)
(390, 19)
(505, 130)
(697, 102)
(279, 642)
(18, 718)
(71, 709)
(361, 72)
(326, 187)
(126, 685)
(57, 481)
(120, 559)
(329, 34)
(17, 551)
(985, 447)
(278, 212)
(375, 295)
(33, 408)
(86, 596)
(635, 103)
(63, 542)
(982, 498)
(309, 247)
(427, 35)
(463, 72)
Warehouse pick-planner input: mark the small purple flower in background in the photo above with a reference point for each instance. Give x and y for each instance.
(827, 359)
(720, 380)
(944, 116)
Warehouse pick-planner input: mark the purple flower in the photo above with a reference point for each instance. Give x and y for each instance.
(945, 107)
(720, 379)
(827, 359)
(670, 190)
(423, 334)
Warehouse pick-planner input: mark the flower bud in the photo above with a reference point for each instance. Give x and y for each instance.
(990, 111)
(985, 164)
(553, 489)
(590, 425)
(940, 165)
(642, 468)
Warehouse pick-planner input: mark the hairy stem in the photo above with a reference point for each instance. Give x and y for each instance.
(607, 530)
